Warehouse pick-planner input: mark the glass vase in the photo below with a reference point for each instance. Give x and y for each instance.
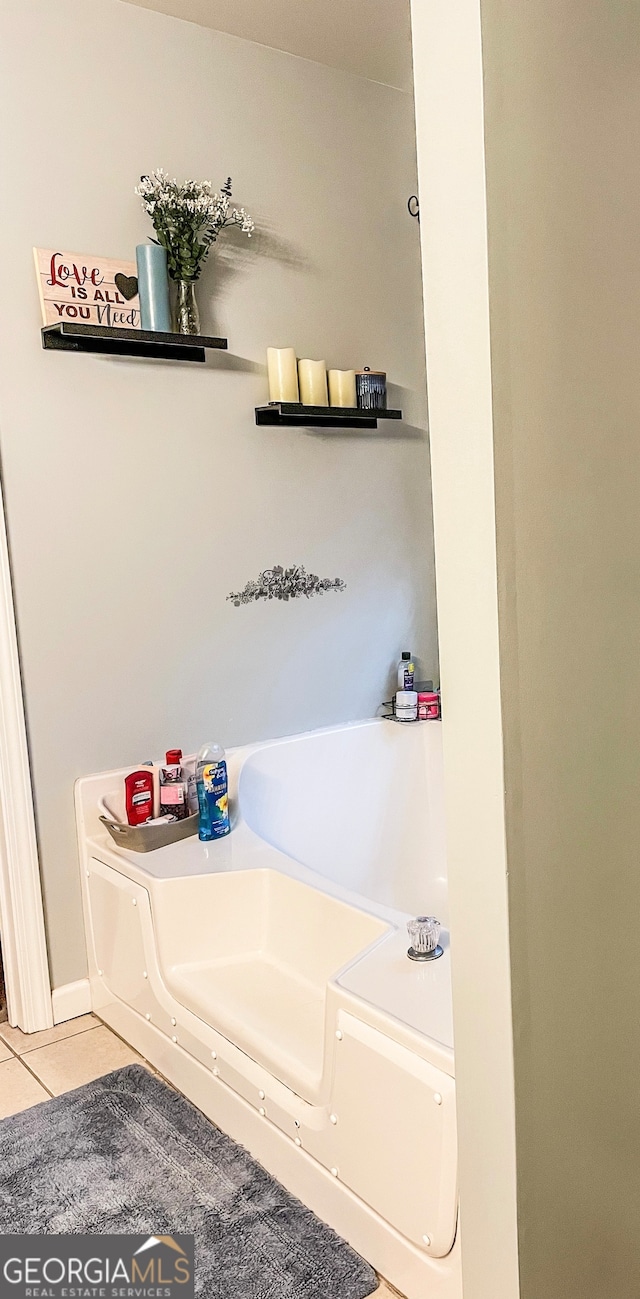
(187, 316)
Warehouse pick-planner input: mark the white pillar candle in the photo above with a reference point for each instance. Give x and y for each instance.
(342, 388)
(283, 374)
(313, 383)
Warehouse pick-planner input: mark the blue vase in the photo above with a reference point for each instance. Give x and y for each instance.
(153, 287)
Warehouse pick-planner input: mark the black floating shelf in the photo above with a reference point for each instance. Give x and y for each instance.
(69, 337)
(289, 414)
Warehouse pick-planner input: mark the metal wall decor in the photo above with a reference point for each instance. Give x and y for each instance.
(285, 584)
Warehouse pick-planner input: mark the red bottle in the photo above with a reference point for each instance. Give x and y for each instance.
(138, 795)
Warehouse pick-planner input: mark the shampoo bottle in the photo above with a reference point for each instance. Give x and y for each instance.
(406, 672)
(213, 793)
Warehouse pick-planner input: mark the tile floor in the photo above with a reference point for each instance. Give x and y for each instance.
(35, 1066)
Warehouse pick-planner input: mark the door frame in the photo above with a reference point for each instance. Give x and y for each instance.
(450, 128)
(22, 928)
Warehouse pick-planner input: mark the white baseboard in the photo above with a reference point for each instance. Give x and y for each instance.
(71, 1000)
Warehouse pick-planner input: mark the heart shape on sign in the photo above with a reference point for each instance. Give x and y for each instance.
(127, 284)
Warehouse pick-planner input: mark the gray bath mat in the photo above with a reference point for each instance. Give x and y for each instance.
(127, 1154)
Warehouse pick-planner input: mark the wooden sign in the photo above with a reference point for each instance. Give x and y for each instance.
(89, 290)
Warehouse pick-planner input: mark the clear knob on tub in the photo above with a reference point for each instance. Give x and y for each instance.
(424, 932)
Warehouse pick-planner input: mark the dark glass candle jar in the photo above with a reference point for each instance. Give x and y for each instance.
(371, 389)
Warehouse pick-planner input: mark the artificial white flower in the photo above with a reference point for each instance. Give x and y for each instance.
(188, 218)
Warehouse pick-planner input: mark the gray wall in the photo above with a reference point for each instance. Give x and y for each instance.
(563, 111)
(138, 493)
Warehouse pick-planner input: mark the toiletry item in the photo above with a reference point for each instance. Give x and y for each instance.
(406, 705)
(406, 672)
(189, 773)
(313, 383)
(213, 793)
(342, 388)
(153, 287)
(154, 768)
(428, 705)
(371, 389)
(138, 796)
(173, 793)
(282, 368)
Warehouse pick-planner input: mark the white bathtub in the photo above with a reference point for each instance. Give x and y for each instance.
(266, 975)
(362, 806)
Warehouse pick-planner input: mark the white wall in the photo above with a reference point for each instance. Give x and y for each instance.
(562, 85)
(552, 425)
(139, 494)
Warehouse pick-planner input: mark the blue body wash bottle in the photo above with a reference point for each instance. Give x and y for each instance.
(213, 793)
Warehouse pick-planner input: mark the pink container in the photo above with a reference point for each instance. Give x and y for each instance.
(428, 706)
